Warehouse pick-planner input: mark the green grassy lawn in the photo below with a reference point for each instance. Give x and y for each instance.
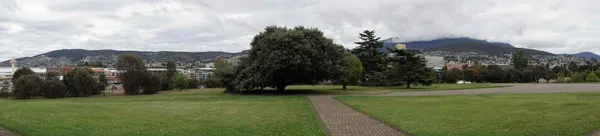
(486, 115)
(207, 112)
(337, 89)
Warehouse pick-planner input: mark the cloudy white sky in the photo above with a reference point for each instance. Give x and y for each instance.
(30, 27)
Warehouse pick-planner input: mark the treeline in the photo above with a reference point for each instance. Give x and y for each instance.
(79, 82)
(281, 56)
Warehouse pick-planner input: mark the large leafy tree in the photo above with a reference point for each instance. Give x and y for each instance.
(411, 69)
(21, 72)
(368, 51)
(27, 86)
(351, 71)
(519, 61)
(54, 88)
(133, 71)
(471, 74)
(81, 82)
(282, 56)
(151, 83)
(225, 75)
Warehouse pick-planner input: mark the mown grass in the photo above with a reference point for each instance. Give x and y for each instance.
(486, 115)
(197, 112)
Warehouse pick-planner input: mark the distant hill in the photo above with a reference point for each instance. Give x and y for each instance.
(60, 57)
(588, 55)
(462, 45)
(391, 42)
(486, 48)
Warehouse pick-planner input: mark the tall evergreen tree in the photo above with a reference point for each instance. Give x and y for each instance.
(519, 61)
(368, 51)
(411, 69)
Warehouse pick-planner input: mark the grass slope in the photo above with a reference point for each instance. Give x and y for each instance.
(188, 113)
(486, 115)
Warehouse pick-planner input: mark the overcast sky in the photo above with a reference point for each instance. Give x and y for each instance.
(31, 27)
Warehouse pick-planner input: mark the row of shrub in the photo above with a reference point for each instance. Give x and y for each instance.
(80, 82)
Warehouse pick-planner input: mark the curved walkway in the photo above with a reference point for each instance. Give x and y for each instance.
(515, 89)
(341, 120)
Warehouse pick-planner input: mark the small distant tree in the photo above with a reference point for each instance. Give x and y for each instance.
(351, 72)
(471, 74)
(180, 81)
(54, 89)
(592, 78)
(513, 76)
(411, 69)
(193, 83)
(171, 70)
(452, 75)
(133, 72)
(577, 78)
(224, 75)
(519, 61)
(152, 84)
(27, 86)
(21, 72)
(81, 83)
(495, 74)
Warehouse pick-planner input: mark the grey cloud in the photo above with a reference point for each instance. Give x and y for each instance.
(559, 26)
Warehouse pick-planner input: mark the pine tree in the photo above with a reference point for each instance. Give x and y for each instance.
(411, 69)
(368, 51)
(519, 61)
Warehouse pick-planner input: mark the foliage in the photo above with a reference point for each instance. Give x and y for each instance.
(281, 56)
(519, 61)
(351, 71)
(152, 84)
(180, 81)
(171, 70)
(513, 76)
(27, 86)
(380, 79)
(193, 83)
(21, 72)
(592, 78)
(133, 69)
(561, 79)
(471, 74)
(495, 74)
(452, 76)
(368, 51)
(54, 88)
(577, 78)
(224, 76)
(597, 72)
(573, 66)
(80, 82)
(411, 69)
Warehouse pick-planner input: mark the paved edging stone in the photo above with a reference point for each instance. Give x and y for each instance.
(6, 132)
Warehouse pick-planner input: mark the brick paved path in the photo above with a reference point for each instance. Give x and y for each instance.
(6, 132)
(341, 120)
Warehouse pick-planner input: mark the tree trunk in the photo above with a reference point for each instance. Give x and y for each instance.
(344, 87)
(280, 88)
(408, 85)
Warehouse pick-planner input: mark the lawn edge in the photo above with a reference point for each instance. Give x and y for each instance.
(6, 132)
(321, 123)
(593, 133)
(371, 117)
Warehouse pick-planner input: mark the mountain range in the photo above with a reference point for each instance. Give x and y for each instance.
(67, 56)
(471, 45)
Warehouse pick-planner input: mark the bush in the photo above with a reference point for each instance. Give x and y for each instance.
(193, 83)
(592, 78)
(577, 78)
(4, 92)
(27, 86)
(212, 82)
(152, 84)
(54, 89)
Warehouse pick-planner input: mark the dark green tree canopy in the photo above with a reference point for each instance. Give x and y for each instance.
(519, 61)
(133, 72)
(21, 72)
(411, 69)
(282, 56)
(368, 51)
(27, 86)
